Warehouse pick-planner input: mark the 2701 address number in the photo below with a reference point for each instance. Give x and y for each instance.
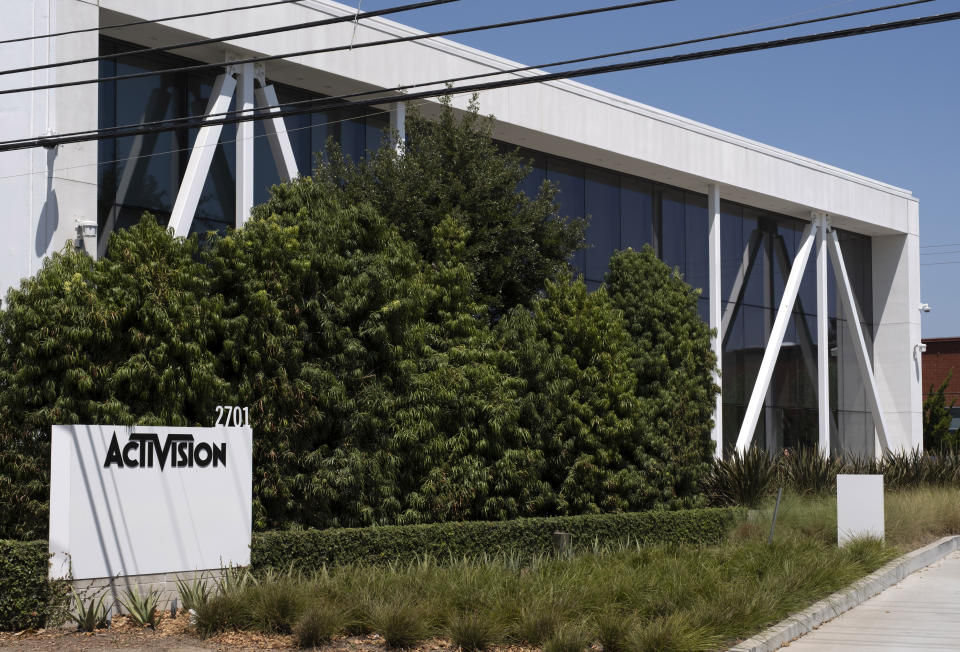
(232, 415)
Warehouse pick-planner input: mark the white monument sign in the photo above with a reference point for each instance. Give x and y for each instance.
(137, 500)
(859, 507)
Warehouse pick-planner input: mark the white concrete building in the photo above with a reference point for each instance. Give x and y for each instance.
(750, 224)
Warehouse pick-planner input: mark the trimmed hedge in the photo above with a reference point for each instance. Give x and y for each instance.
(27, 597)
(311, 549)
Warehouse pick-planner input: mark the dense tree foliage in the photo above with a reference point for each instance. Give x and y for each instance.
(353, 316)
(452, 167)
(937, 417)
(673, 361)
(128, 339)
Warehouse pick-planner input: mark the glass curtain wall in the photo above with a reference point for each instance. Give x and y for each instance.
(624, 211)
(143, 173)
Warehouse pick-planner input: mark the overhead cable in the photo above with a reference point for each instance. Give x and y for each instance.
(451, 80)
(318, 105)
(153, 21)
(231, 37)
(337, 48)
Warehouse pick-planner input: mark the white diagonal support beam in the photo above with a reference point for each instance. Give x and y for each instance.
(203, 149)
(824, 416)
(740, 282)
(277, 134)
(715, 314)
(804, 337)
(244, 145)
(778, 330)
(845, 292)
(157, 105)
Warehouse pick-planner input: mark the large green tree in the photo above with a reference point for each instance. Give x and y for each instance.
(673, 362)
(937, 417)
(452, 167)
(131, 338)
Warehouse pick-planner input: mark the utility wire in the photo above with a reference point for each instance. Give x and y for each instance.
(338, 48)
(940, 246)
(147, 22)
(231, 37)
(533, 79)
(406, 87)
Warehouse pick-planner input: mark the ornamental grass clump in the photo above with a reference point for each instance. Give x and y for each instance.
(401, 623)
(569, 637)
(318, 624)
(471, 630)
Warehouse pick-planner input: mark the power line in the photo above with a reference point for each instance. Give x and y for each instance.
(406, 87)
(939, 253)
(536, 79)
(949, 262)
(940, 246)
(230, 37)
(147, 22)
(338, 48)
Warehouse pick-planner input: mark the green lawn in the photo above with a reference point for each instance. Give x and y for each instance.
(625, 597)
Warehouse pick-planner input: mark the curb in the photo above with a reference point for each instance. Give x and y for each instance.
(862, 590)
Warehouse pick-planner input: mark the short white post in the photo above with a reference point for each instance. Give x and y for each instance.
(716, 318)
(859, 507)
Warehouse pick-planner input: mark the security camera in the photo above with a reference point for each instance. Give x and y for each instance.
(925, 307)
(922, 348)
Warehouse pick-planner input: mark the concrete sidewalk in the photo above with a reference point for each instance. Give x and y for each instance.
(922, 612)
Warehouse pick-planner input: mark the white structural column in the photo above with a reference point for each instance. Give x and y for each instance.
(740, 282)
(398, 124)
(201, 156)
(277, 134)
(823, 338)
(776, 340)
(716, 319)
(845, 292)
(244, 203)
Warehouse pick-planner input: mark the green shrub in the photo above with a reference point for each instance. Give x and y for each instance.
(451, 166)
(742, 479)
(672, 359)
(937, 417)
(310, 550)
(473, 630)
(402, 623)
(318, 624)
(569, 637)
(27, 598)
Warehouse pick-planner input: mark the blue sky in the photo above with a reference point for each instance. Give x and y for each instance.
(886, 105)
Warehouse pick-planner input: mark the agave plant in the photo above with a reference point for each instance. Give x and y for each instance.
(91, 614)
(193, 594)
(142, 608)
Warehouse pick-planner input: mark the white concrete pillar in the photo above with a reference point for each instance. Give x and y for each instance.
(398, 124)
(46, 193)
(823, 337)
(896, 315)
(244, 203)
(716, 310)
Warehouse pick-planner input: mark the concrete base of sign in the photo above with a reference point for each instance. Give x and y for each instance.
(859, 507)
(114, 588)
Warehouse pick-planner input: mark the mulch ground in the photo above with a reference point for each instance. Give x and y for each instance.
(178, 634)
